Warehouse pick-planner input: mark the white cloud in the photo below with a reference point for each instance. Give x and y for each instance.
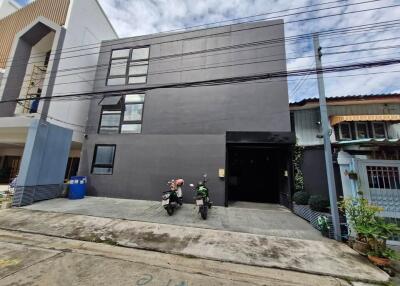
(139, 17)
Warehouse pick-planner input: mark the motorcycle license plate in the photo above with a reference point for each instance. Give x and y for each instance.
(165, 202)
(199, 202)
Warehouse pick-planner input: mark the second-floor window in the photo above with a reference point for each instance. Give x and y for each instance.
(361, 130)
(345, 131)
(379, 130)
(123, 117)
(128, 66)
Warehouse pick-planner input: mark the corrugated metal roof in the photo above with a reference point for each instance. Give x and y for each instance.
(345, 97)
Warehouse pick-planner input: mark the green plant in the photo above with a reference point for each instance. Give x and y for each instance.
(318, 203)
(301, 198)
(360, 215)
(323, 225)
(352, 175)
(363, 218)
(298, 174)
(385, 253)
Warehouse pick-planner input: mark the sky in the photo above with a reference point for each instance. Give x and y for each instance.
(140, 17)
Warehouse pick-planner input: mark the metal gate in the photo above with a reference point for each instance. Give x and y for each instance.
(380, 182)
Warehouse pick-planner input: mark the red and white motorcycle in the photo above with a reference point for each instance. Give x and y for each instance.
(174, 196)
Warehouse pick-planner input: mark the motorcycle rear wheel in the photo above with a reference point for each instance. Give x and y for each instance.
(170, 210)
(203, 212)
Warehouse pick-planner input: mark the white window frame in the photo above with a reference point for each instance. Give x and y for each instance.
(340, 131)
(366, 128)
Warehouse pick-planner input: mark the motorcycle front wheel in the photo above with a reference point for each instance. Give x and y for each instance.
(203, 212)
(170, 210)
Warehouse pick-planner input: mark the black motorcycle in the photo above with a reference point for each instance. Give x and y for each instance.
(202, 197)
(173, 197)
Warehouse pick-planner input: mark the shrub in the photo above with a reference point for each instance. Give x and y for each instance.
(301, 198)
(318, 203)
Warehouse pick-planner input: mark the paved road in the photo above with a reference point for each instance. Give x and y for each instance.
(31, 259)
(264, 219)
(328, 257)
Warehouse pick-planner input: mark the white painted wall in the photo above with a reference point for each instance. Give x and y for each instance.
(8, 7)
(38, 56)
(86, 24)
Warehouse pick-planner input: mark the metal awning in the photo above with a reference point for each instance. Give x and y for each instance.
(378, 117)
(369, 141)
(249, 137)
(110, 100)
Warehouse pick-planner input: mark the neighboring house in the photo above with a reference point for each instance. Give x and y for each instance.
(365, 140)
(48, 49)
(239, 134)
(8, 7)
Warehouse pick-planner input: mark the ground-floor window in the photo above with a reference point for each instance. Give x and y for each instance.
(103, 159)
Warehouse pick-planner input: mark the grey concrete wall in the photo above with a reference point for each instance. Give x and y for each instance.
(14, 80)
(45, 155)
(145, 163)
(183, 131)
(314, 171)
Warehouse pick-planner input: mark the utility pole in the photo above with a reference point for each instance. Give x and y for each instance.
(327, 141)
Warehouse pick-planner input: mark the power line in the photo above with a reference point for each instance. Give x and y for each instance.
(361, 43)
(132, 40)
(186, 30)
(208, 66)
(353, 29)
(221, 81)
(106, 66)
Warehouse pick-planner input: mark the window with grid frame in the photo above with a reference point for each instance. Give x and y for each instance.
(128, 66)
(103, 159)
(110, 120)
(344, 131)
(133, 113)
(379, 130)
(361, 129)
(123, 118)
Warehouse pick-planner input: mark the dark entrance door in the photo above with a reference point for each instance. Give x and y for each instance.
(10, 169)
(258, 167)
(254, 174)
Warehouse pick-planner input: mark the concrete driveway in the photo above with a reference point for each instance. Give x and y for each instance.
(263, 219)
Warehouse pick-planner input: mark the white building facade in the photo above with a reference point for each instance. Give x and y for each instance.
(53, 52)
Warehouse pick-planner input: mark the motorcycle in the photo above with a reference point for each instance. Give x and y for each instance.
(173, 197)
(202, 197)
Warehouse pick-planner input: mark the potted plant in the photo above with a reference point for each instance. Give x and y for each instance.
(372, 231)
(360, 215)
(352, 175)
(380, 254)
(323, 225)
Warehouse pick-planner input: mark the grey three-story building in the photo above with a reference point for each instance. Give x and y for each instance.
(237, 133)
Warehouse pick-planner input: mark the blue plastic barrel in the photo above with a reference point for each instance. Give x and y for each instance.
(77, 187)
